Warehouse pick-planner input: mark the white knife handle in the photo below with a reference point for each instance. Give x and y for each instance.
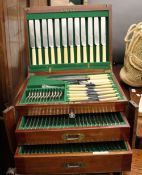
(78, 55)
(91, 54)
(33, 56)
(65, 55)
(59, 55)
(84, 54)
(46, 56)
(39, 56)
(72, 54)
(97, 53)
(52, 56)
(104, 54)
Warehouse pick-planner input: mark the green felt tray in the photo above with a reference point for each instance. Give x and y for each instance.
(63, 121)
(70, 66)
(73, 148)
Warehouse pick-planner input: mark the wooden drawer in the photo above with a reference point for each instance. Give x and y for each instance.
(74, 158)
(62, 129)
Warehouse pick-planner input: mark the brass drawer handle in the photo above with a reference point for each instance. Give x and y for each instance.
(74, 165)
(73, 136)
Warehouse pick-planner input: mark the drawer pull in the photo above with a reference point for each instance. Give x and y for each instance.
(73, 136)
(74, 165)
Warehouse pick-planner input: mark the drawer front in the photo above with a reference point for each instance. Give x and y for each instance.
(84, 162)
(101, 127)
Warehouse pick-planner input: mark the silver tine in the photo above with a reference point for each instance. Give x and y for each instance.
(27, 98)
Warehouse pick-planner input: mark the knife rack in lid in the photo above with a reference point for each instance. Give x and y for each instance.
(62, 41)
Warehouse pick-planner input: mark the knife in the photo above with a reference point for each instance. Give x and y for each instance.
(96, 38)
(83, 39)
(57, 40)
(45, 40)
(38, 41)
(77, 38)
(90, 38)
(103, 38)
(51, 40)
(70, 36)
(32, 41)
(64, 38)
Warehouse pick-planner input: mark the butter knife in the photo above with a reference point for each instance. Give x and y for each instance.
(64, 38)
(51, 40)
(32, 41)
(77, 38)
(96, 38)
(57, 40)
(38, 41)
(103, 38)
(83, 39)
(45, 40)
(70, 36)
(90, 37)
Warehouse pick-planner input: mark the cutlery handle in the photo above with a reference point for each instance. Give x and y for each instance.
(91, 54)
(52, 56)
(46, 56)
(33, 56)
(109, 99)
(72, 54)
(104, 54)
(84, 54)
(59, 55)
(39, 56)
(78, 55)
(97, 53)
(65, 55)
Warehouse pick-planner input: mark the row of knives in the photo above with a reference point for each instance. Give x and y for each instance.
(72, 147)
(80, 120)
(85, 37)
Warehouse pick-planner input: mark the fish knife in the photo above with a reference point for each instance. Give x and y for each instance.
(77, 38)
(38, 41)
(45, 40)
(57, 39)
(64, 38)
(32, 41)
(70, 36)
(103, 38)
(83, 39)
(51, 40)
(96, 38)
(90, 37)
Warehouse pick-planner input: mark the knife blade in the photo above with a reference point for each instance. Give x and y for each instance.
(38, 41)
(57, 40)
(103, 38)
(83, 39)
(70, 36)
(77, 38)
(51, 40)
(32, 41)
(96, 38)
(64, 38)
(45, 40)
(90, 38)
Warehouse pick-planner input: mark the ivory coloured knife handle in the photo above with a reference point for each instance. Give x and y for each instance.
(97, 53)
(91, 54)
(104, 54)
(71, 54)
(33, 56)
(59, 55)
(46, 56)
(78, 55)
(39, 56)
(65, 55)
(84, 54)
(109, 99)
(52, 56)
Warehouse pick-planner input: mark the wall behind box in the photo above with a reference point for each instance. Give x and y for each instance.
(124, 13)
